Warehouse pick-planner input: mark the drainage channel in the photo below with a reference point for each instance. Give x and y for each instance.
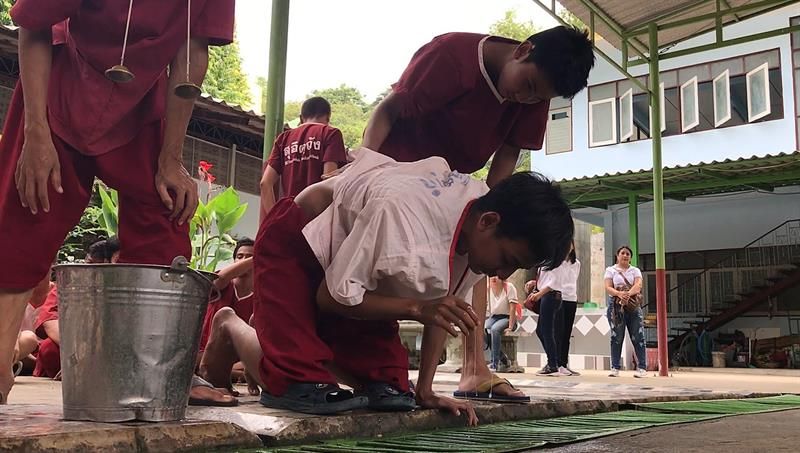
(529, 434)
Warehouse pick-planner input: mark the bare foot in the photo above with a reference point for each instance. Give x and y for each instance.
(6, 382)
(201, 392)
(471, 382)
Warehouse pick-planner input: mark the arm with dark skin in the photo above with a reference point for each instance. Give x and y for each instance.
(38, 165)
(503, 164)
(237, 269)
(171, 175)
(267, 189)
(381, 122)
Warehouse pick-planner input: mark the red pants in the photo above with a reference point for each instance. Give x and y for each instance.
(296, 339)
(48, 360)
(30, 242)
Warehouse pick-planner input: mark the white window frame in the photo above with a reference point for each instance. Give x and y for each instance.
(626, 101)
(613, 140)
(750, 117)
(726, 76)
(690, 83)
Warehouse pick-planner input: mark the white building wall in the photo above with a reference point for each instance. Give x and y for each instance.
(691, 148)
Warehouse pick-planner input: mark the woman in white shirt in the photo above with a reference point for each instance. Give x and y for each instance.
(565, 317)
(502, 315)
(623, 284)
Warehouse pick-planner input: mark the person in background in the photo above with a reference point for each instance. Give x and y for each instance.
(502, 316)
(300, 156)
(623, 282)
(566, 282)
(548, 297)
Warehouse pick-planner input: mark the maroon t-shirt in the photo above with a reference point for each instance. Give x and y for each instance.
(90, 112)
(450, 108)
(298, 155)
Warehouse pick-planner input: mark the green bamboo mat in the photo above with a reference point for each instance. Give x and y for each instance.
(527, 434)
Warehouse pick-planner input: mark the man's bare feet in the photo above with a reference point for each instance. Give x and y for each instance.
(211, 395)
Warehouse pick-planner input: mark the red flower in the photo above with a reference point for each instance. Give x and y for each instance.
(204, 173)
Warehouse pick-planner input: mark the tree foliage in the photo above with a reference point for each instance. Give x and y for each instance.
(349, 111)
(225, 78)
(262, 85)
(510, 27)
(5, 7)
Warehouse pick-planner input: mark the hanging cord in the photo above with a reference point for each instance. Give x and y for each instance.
(125, 39)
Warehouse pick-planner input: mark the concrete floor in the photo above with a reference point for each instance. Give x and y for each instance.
(756, 433)
(32, 421)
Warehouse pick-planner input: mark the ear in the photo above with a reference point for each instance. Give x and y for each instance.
(522, 50)
(488, 221)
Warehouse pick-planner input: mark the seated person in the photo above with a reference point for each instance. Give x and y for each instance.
(27, 346)
(336, 267)
(48, 361)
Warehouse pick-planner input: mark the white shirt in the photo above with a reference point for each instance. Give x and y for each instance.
(631, 273)
(391, 229)
(564, 278)
(498, 305)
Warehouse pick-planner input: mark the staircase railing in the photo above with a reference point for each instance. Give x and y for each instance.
(778, 246)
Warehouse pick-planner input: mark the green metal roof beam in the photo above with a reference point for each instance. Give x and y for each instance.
(680, 9)
(726, 43)
(700, 185)
(723, 177)
(642, 29)
(639, 46)
(610, 60)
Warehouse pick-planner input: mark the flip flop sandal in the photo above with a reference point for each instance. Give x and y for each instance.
(317, 399)
(197, 381)
(17, 368)
(386, 398)
(483, 392)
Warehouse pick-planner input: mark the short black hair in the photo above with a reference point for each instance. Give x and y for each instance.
(97, 251)
(531, 208)
(112, 246)
(243, 242)
(565, 55)
(621, 248)
(315, 107)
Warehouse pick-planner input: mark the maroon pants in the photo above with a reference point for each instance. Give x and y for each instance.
(296, 339)
(30, 242)
(48, 359)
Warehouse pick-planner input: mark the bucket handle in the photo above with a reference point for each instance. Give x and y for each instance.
(181, 265)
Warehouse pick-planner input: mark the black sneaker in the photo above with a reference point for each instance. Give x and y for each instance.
(548, 371)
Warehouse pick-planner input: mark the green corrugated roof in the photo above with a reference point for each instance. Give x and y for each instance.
(681, 182)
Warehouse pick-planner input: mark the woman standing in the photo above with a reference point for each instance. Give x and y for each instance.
(502, 315)
(624, 287)
(567, 283)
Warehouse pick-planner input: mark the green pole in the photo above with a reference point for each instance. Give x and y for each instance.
(276, 77)
(658, 207)
(633, 228)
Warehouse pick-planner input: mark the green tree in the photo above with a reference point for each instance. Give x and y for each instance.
(510, 27)
(349, 111)
(291, 111)
(5, 7)
(225, 78)
(262, 85)
(570, 18)
(342, 95)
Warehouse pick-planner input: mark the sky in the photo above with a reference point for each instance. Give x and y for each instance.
(362, 43)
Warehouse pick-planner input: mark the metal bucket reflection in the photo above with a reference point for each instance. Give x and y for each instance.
(129, 338)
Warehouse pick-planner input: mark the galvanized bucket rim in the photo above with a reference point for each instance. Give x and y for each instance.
(209, 275)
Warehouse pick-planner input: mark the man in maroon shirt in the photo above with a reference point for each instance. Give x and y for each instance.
(302, 155)
(466, 97)
(68, 123)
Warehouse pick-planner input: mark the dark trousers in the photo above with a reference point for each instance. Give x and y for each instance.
(549, 306)
(565, 318)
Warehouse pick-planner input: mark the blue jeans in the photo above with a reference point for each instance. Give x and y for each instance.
(549, 305)
(634, 322)
(495, 325)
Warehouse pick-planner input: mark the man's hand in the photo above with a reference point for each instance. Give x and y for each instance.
(434, 401)
(448, 313)
(172, 176)
(37, 166)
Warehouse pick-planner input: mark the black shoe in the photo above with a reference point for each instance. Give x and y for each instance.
(548, 371)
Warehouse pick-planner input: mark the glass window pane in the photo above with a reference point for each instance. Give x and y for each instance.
(626, 115)
(671, 112)
(605, 91)
(734, 65)
(758, 103)
(602, 116)
(560, 103)
(669, 79)
(772, 58)
(689, 110)
(722, 99)
(702, 72)
(625, 85)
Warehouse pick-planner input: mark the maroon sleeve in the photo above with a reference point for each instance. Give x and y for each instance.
(276, 155)
(42, 14)
(216, 22)
(334, 147)
(529, 127)
(48, 312)
(431, 80)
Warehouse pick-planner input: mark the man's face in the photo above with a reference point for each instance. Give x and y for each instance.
(496, 256)
(521, 81)
(245, 251)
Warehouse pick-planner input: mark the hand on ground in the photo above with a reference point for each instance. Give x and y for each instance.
(455, 407)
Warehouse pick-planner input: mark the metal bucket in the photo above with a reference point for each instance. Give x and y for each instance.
(129, 339)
